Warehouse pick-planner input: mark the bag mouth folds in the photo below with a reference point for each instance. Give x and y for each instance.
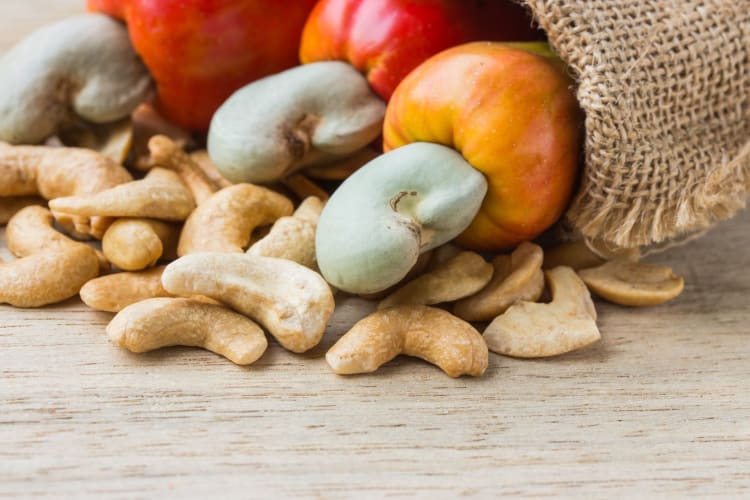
(667, 104)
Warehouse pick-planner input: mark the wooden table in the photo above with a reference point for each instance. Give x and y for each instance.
(660, 407)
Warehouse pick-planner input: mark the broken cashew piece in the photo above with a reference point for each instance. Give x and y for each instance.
(165, 153)
(135, 244)
(226, 220)
(631, 283)
(163, 322)
(51, 267)
(461, 276)
(160, 195)
(532, 330)
(431, 334)
(582, 254)
(293, 238)
(309, 114)
(291, 301)
(517, 277)
(399, 205)
(201, 158)
(113, 292)
(83, 67)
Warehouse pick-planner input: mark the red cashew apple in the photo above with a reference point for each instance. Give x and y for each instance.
(201, 51)
(510, 110)
(386, 39)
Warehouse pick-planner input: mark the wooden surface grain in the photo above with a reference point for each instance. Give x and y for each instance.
(659, 408)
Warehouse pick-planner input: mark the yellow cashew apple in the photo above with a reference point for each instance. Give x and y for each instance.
(510, 110)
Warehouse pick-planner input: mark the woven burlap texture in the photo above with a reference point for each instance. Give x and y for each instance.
(665, 85)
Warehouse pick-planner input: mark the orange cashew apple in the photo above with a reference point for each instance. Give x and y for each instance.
(510, 110)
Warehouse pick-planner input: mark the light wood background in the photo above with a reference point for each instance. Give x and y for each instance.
(660, 407)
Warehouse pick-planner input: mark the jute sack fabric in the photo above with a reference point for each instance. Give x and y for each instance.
(665, 85)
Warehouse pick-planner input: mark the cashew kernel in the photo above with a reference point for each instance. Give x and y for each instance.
(291, 301)
(165, 153)
(456, 278)
(517, 277)
(113, 292)
(162, 322)
(532, 330)
(631, 283)
(135, 244)
(431, 334)
(225, 221)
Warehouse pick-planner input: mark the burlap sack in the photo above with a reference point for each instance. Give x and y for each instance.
(665, 85)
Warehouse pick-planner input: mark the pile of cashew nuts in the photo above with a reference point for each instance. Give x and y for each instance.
(196, 252)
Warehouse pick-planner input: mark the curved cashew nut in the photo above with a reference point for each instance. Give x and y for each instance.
(293, 238)
(517, 277)
(399, 205)
(631, 283)
(305, 115)
(135, 244)
(291, 301)
(431, 334)
(530, 330)
(162, 322)
(166, 153)
(226, 220)
(458, 277)
(81, 67)
(160, 195)
(113, 292)
(52, 268)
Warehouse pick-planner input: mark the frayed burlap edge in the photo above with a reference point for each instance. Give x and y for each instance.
(717, 192)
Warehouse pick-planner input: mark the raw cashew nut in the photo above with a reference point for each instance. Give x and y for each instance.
(135, 244)
(160, 195)
(162, 322)
(83, 67)
(226, 220)
(517, 277)
(530, 330)
(305, 115)
(51, 267)
(399, 205)
(291, 301)
(293, 238)
(431, 334)
(631, 283)
(461, 276)
(11, 205)
(167, 154)
(113, 292)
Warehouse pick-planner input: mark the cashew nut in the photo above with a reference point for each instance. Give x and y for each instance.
(10, 205)
(291, 301)
(113, 292)
(306, 115)
(165, 153)
(583, 254)
(431, 334)
(225, 221)
(461, 276)
(135, 244)
(201, 158)
(147, 122)
(517, 277)
(633, 283)
(51, 267)
(82, 67)
(399, 205)
(162, 322)
(292, 238)
(160, 195)
(530, 330)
